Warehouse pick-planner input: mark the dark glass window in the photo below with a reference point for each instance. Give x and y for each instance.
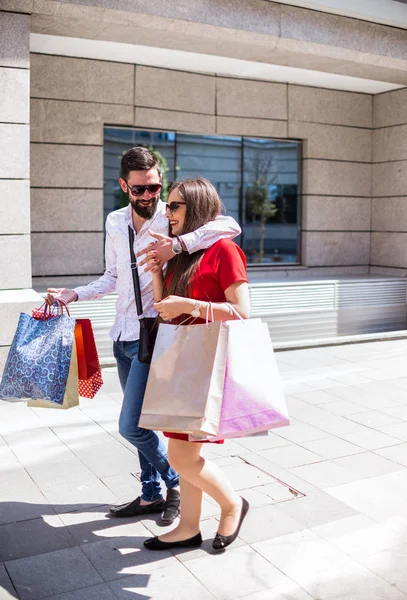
(257, 179)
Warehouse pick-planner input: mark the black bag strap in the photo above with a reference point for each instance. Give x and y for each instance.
(134, 272)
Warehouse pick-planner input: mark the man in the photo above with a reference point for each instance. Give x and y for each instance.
(141, 180)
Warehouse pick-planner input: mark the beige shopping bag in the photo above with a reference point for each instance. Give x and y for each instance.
(71, 396)
(185, 384)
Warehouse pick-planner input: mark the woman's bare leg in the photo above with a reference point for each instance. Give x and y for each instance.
(191, 507)
(186, 459)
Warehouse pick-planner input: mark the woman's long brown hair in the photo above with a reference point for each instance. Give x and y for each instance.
(202, 205)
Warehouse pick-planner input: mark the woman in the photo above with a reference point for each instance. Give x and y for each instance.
(216, 276)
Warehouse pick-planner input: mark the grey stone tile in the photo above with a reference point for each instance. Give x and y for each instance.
(301, 553)
(7, 591)
(124, 486)
(79, 210)
(301, 432)
(390, 566)
(176, 580)
(110, 458)
(390, 108)
(54, 572)
(390, 144)
(15, 250)
(326, 177)
(71, 487)
(244, 475)
(333, 142)
(34, 536)
(85, 80)
(332, 447)
(38, 447)
(373, 419)
(291, 456)
(20, 498)
(277, 491)
(67, 166)
(255, 444)
(396, 453)
(360, 535)
(173, 120)
(15, 196)
(279, 474)
(246, 98)
(97, 592)
(251, 127)
(93, 524)
(349, 581)
(267, 522)
(321, 213)
(234, 573)
(88, 255)
(325, 474)
(398, 430)
(322, 248)
(188, 92)
(15, 151)
(15, 40)
(316, 508)
(368, 464)
(60, 121)
(317, 105)
(123, 556)
(14, 95)
(285, 591)
(342, 408)
(389, 179)
(370, 495)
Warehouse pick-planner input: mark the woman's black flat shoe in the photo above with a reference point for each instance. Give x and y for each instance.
(220, 542)
(156, 544)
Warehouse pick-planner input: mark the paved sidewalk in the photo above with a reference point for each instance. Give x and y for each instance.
(328, 495)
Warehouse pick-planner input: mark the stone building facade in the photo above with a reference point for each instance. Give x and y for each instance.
(70, 67)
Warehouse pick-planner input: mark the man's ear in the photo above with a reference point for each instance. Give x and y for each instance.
(123, 185)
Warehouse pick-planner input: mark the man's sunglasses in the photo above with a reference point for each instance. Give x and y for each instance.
(173, 206)
(139, 190)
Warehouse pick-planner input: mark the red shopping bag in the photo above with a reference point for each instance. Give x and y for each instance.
(89, 371)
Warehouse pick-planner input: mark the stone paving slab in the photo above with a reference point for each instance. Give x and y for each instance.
(328, 495)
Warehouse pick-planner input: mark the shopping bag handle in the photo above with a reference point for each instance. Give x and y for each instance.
(64, 305)
(234, 311)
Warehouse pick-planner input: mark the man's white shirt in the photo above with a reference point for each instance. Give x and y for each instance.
(117, 276)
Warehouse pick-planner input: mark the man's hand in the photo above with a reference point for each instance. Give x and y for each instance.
(60, 294)
(173, 306)
(161, 250)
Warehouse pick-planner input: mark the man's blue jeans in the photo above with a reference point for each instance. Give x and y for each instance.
(151, 450)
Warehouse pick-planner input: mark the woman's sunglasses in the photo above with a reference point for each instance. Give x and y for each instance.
(173, 206)
(139, 190)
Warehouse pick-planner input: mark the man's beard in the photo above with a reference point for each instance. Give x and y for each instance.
(145, 212)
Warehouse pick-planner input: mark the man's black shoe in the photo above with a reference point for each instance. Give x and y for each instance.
(171, 508)
(134, 508)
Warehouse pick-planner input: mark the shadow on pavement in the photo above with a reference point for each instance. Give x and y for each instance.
(76, 544)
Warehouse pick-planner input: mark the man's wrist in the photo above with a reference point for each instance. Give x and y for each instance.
(177, 247)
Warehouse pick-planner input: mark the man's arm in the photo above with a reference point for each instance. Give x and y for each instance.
(213, 231)
(203, 237)
(94, 290)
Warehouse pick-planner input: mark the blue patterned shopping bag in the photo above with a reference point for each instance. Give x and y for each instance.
(38, 362)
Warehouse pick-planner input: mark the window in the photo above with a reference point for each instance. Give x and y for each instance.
(257, 179)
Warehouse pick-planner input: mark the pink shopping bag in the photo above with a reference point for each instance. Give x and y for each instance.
(253, 397)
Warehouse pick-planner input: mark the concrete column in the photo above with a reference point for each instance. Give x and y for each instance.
(16, 294)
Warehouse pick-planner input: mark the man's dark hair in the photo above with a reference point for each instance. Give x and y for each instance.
(139, 158)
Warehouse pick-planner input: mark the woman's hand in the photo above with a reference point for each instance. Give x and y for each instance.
(174, 306)
(154, 265)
